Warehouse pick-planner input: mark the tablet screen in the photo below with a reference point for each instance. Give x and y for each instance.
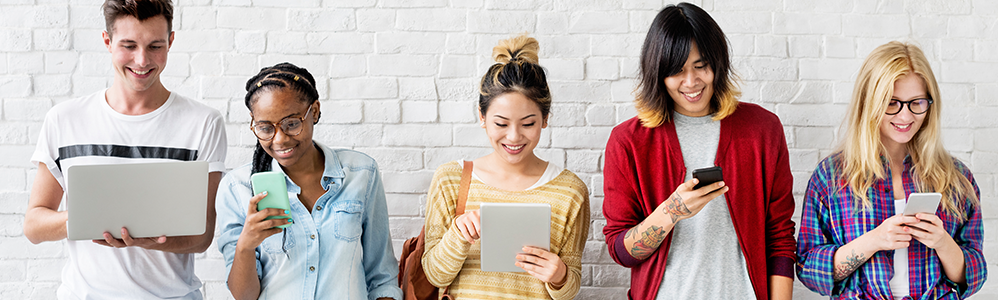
(507, 227)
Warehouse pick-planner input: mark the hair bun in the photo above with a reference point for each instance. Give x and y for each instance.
(520, 48)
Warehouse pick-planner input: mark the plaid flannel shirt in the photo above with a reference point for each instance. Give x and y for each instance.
(830, 219)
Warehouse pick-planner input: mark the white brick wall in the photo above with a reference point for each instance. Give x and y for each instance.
(398, 79)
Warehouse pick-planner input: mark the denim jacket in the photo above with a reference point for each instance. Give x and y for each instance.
(342, 249)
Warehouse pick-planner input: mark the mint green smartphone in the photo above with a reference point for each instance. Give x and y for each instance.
(277, 192)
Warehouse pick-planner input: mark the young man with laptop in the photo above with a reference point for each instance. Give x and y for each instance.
(136, 120)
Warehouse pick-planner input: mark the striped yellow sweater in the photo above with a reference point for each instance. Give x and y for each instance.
(451, 260)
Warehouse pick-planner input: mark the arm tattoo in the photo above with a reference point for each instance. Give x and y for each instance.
(651, 238)
(675, 208)
(851, 263)
(633, 232)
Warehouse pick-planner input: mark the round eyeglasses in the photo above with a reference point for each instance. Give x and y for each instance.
(291, 126)
(916, 106)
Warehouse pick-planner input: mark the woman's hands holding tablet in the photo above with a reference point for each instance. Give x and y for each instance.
(256, 228)
(543, 265)
(470, 225)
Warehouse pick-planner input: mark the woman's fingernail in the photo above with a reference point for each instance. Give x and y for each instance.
(286, 211)
(290, 220)
(264, 193)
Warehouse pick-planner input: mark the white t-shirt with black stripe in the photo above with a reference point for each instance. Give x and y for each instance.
(86, 131)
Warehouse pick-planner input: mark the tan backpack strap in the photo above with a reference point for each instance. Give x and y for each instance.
(462, 196)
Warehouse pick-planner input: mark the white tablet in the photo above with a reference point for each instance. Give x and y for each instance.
(507, 227)
(150, 199)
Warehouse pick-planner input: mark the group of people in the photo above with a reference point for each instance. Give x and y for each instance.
(732, 239)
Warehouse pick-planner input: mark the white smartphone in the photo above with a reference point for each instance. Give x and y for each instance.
(922, 203)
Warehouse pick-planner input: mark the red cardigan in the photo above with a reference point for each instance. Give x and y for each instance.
(645, 165)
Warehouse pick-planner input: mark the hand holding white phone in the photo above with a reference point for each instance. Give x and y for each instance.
(922, 203)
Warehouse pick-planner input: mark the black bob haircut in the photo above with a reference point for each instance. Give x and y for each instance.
(666, 48)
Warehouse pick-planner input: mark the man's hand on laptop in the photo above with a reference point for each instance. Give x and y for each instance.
(127, 241)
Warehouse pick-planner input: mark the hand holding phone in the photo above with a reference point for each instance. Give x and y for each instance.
(922, 203)
(277, 192)
(707, 176)
(687, 201)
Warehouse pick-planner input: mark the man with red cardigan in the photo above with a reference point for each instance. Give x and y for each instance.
(731, 239)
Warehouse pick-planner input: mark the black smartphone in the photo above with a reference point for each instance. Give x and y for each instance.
(707, 176)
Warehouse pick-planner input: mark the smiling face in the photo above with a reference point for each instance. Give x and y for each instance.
(692, 88)
(897, 130)
(273, 106)
(138, 51)
(513, 123)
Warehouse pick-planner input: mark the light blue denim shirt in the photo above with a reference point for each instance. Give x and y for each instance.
(341, 250)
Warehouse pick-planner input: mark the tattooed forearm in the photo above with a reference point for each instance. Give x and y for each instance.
(651, 238)
(675, 208)
(850, 264)
(633, 232)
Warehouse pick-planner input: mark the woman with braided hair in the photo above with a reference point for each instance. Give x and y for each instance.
(338, 242)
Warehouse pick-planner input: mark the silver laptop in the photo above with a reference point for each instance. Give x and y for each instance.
(507, 227)
(150, 199)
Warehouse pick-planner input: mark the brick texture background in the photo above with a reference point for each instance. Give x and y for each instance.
(398, 81)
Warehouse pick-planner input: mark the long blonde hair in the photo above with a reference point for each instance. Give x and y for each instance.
(862, 151)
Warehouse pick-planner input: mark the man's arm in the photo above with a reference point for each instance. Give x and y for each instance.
(780, 246)
(43, 221)
(645, 238)
(176, 244)
(781, 287)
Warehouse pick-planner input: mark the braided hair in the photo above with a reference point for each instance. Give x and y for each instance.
(280, 76)
(515, 70)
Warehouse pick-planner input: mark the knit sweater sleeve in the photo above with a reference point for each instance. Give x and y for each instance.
(446, 249)
(780, 243)
(574, 241)
(621, 202)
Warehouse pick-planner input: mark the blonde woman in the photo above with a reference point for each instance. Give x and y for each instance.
(514, 106)
(853, 242)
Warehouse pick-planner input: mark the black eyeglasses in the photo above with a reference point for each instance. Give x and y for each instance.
(916, 106)
(291, 126)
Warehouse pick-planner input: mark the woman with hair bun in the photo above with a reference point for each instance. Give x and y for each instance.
(514, 105)
(855, 241)
(337, 244)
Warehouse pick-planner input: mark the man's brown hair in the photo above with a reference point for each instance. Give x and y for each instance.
(140, 9)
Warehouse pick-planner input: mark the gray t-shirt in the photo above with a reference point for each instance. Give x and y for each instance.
(705, 261)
